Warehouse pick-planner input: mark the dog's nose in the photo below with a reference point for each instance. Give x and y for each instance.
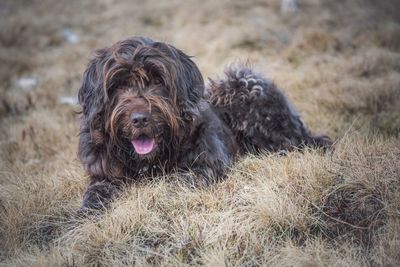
(140, 119)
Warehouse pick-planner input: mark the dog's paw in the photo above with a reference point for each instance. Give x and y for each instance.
(97, 197)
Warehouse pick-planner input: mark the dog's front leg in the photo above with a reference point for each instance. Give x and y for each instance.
(98, 195)
(208, 162)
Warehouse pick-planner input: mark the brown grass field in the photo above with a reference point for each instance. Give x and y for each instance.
(338, 61)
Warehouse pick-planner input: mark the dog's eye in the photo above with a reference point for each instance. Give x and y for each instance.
(157, 81)
(120, 91)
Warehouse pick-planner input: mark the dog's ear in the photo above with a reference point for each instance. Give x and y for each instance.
(186, 79)
(190, 85)
(91, 94)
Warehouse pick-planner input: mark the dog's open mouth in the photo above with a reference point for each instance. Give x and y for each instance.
(144, 144)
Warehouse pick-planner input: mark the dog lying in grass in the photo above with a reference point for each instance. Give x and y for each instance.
(146, 112)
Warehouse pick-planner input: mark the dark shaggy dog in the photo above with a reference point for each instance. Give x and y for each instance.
(145, 113)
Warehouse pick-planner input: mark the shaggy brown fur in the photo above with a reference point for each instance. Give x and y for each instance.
(145, 113)
(259, 114)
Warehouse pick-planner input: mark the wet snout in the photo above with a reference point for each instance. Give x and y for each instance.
(140, 113)
(143, 140)
(140, 119)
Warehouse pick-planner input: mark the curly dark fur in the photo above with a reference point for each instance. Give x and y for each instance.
(146, 92)
(259, 114)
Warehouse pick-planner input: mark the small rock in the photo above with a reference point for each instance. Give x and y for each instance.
(27, 83)
(70, 36)
(68, 100)
(289, 6)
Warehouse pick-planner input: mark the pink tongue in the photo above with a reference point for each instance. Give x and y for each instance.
(143, 145)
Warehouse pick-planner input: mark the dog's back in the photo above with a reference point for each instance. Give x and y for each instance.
(258, 113)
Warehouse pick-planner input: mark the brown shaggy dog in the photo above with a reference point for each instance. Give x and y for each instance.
(145, 112)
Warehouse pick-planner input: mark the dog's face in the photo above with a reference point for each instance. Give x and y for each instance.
(140, 95)
(145, 116)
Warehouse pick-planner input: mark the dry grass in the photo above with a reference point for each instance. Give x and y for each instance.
(338, 61)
